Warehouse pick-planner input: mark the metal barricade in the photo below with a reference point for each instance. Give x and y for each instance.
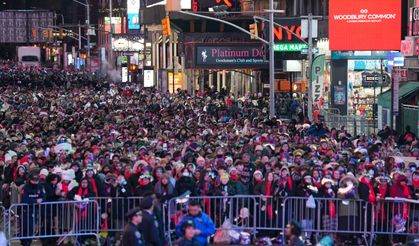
(240, 211)
(3, 217)
(52, 220)
(396, 217)
(329, 216)
(114, 210)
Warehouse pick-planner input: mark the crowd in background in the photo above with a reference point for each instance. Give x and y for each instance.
(79, 136)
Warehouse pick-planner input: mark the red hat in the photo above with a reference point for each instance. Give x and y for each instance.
(94, 148)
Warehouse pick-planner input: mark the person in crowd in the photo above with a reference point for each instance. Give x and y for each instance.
(32, 193)
(131, 235)
(292, 233)
(204, 225)
(149, 225)
(188, 235)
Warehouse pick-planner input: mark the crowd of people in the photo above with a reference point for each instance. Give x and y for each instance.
(76, 136)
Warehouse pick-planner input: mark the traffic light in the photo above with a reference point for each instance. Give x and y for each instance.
(61, 34)
(254, 30)
(133, 67)
(46, 34)
(165, 23)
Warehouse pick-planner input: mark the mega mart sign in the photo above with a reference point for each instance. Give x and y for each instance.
(290, 47)
(364, 24)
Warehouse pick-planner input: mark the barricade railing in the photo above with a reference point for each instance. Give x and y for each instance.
(238, 210)
(329, 216)
(397, 217)
(51, 220)
(3, 217)
(114, 211)
(268, 216)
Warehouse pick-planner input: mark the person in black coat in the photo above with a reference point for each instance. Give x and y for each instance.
(50, 211)
(185, 183)
(131, 234)
(149, 224)
(33, 193)
(145, 185)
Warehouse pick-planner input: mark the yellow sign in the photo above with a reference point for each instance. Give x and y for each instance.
(177, 80)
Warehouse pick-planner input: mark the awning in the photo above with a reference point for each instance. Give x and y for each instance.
(406, 89)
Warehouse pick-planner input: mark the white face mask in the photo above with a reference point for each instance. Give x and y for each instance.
(371, 172)
(349, 183)
(185, 174)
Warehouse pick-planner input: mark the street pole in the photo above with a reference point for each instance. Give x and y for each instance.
(310, 61)
(79, 37)
(110, 35)
(88, 29)
(271, 61)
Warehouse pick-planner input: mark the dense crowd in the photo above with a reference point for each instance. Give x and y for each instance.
(86, 138)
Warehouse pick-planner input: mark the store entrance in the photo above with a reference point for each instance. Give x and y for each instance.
(238, 83)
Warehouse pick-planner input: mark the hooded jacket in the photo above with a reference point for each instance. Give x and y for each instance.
(203, 223)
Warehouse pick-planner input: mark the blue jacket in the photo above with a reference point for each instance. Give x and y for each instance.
(203, 223)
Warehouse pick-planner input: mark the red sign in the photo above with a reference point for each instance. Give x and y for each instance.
(284, 34)
(364, 24)
(407, 47)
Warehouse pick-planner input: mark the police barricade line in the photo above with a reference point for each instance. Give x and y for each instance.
(397, 217)
(240, 211)
(114, 210)
(329, 216)
(55, 221)
(3, 216)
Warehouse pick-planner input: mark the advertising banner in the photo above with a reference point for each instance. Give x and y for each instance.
(317, 75)
(133, 10)
(365, 24)
(238, 56)
(148, 78)
(175, 83)
(414, 22)
(396, 92)
(116, 23)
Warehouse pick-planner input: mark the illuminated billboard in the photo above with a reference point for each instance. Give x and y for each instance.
(365, 24)
(116, 23)
(133, 9)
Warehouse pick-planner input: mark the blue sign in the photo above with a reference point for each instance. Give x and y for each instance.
(133, 21)
(395, 59)
(359, 55)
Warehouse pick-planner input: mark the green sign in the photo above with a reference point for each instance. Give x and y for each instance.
(289, 47)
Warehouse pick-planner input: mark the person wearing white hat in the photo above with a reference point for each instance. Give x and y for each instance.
(66, 185)
(43, 174)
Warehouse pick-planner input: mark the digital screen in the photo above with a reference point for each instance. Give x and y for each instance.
(365, 24)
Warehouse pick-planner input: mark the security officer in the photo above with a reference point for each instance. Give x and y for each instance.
(32, 195)
(132, 235)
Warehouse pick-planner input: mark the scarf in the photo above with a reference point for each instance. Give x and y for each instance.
(268, 193)
(83, 194)
(94, 186)
(380, 211)
(64, 187)
(371, 196)
(234, 177)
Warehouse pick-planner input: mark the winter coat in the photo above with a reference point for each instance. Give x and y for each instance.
(164, 192)
(141, 190)
(203, 223)
(185, 184)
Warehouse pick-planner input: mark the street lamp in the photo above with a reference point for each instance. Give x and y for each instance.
(86, 4)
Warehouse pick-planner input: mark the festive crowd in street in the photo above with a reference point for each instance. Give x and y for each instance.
(75, 136)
